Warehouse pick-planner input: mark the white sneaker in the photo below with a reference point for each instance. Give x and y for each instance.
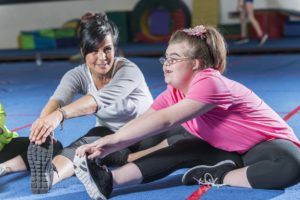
(3, 170)
(96, 180)
(242, 41)
(263, 39)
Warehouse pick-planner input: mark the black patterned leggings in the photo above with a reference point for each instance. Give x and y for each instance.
(272, 164)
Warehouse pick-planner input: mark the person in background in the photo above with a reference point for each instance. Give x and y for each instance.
(245, 7)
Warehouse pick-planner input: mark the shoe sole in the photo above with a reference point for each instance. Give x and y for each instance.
(83, 174)
(188, 174)
(39, 158)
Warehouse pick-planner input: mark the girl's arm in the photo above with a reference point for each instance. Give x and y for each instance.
(146, 126)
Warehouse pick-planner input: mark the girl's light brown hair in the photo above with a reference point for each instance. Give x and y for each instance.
(210, 48)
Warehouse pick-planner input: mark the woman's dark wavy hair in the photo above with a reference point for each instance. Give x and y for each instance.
(94, 27)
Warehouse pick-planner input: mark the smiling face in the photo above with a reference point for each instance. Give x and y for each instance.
(100, 61)
(179, 67)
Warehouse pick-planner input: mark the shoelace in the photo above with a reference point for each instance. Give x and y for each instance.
(3, 171)
(208, 180)
(55, 170)
(104, 167)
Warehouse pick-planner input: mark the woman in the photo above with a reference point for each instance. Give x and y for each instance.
(113, 89)
(240, 140)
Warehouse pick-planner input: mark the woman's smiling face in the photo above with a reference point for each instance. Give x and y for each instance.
(100, 61)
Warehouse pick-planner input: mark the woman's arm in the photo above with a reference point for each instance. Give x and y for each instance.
(51, 117)
(50, 107)
(146, 126)
(85, 105)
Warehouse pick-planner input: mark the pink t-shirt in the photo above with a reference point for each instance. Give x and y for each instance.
(240, 119)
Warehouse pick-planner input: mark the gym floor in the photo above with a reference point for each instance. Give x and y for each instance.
(26, 87)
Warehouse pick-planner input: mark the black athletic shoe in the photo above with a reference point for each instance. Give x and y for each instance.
(40, 162)
(97, 180)
(208, 175)
(115, 159)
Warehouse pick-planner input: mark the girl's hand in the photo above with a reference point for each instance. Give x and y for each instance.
(100, 148)
(90, 149)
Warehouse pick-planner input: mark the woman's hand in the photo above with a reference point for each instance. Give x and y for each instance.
(43, 127)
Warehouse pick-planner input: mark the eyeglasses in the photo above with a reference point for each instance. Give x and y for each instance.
(171, 61)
